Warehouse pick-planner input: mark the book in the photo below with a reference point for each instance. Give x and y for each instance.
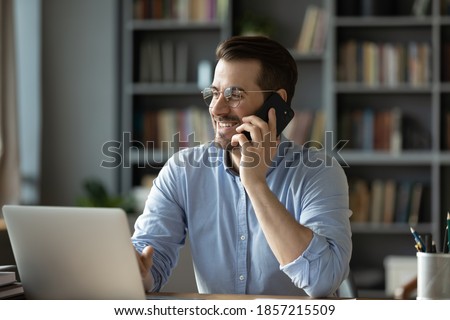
(367, 129)
(11, 290)
(389, 65)
(7, 277)
(320, 32)
(420, 7)
(416, 199)
(377, 201)
(349, 63)
(150, 129)
(155, 61)
(168, 61)
(198, 10)
(307, 33)
(390, 190)
(402, 210)
(318, 129)
(396, 134)
(359, 200)
(181, 62)
(357, 129)
(145, 52)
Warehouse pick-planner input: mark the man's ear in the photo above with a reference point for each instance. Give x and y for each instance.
(283, 94)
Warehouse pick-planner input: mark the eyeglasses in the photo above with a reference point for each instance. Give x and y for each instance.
(232, 95)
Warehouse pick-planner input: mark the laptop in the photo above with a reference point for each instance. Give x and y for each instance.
(73, 252)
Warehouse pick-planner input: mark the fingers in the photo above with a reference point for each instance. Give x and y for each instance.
(259, 130)
(272, 122)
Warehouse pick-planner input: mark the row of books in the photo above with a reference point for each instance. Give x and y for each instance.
(371, 8)
(191, 126)
(173, 128)
(362, 129)
(9, 286)
(314, 30)
(306, 126)
(388, 64)
(382, 130)
(385, 201)
(163, 61)
(181, 10)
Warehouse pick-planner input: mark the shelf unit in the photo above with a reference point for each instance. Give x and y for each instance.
(156, 34)
(425, 102)
(320, 88)
(285, 20)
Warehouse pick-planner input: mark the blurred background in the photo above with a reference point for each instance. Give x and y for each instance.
(91, 91)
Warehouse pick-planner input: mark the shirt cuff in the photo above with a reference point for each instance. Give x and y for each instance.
(306, 265)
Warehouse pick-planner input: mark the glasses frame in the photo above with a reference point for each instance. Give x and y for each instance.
(229, 96)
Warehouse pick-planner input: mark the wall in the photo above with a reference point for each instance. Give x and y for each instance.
(79, 95)
(28, 52)
(80, 104)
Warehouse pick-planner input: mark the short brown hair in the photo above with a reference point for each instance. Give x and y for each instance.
(278, 67)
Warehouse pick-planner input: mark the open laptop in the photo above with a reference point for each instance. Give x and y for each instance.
(73, 252)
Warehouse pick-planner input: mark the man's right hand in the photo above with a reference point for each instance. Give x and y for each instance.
(145, 262)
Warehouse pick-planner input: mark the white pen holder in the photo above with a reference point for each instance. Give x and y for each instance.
(433, 276)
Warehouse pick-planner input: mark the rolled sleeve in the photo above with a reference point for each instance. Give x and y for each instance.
(315, 270)
(301, 268)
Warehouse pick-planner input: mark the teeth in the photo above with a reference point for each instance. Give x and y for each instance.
(226, 125)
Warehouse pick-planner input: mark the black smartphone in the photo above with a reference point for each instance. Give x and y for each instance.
(283, 112)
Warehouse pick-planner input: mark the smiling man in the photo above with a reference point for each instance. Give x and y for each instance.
(265, 216)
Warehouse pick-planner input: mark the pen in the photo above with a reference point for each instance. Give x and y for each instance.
(445, 242)
(448, 230)
(418, 240)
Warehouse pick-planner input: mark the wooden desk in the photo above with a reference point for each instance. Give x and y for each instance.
(2, 224)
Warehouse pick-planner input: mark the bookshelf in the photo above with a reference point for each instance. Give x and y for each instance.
(303, 20)
(163, 42)
(387, 64)
(394, 110)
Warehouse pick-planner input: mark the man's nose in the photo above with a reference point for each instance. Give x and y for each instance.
(220, 105)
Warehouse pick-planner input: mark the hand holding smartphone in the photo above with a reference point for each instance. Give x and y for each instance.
(283, 111)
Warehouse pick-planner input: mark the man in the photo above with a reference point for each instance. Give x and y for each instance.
(264, 216)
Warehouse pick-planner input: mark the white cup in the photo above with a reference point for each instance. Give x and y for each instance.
(433, 276)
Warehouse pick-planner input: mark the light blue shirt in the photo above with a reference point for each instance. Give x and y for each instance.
(196, 191)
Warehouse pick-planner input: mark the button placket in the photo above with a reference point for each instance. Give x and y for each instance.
(242, 244)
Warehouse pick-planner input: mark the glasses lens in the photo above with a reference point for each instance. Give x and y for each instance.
(207, 96)
(233, 96)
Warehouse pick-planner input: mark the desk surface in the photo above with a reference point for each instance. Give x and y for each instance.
(2, 224)
(198, 296)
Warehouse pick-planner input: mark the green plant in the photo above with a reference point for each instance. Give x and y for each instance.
(251, 24)
(98, 196)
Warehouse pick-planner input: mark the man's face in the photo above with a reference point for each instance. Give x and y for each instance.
(240, 74)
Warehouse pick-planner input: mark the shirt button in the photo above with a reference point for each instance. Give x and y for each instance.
(242, 237)
(241, 277)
